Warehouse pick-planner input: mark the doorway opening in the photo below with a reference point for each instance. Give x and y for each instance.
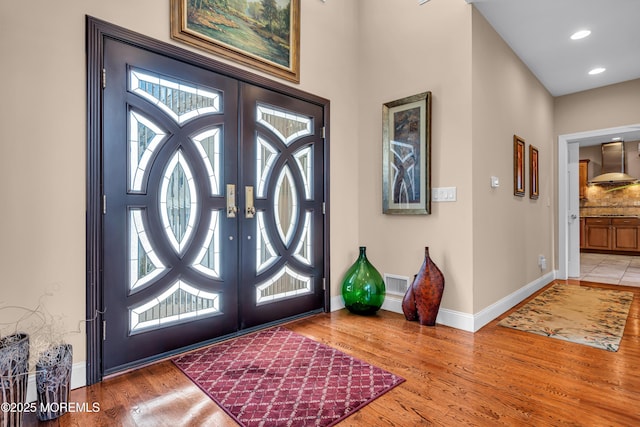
(568, 191)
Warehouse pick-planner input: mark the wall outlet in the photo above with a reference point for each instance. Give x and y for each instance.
(542, 262)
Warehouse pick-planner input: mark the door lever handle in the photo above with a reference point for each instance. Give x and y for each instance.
(250, 210)
(232, 209)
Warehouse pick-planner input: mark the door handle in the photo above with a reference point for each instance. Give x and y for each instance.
(232, 209)
(250, 210)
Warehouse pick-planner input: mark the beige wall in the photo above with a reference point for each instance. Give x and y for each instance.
(592, 110)
(359, 54)
(509, 232)
(601, 108)
(406, 49)
(43, 139)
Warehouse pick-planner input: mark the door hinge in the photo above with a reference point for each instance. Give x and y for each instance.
(104, 78)
(324, 284)
(324, 132)
(104, 330)
(104, 204)
(324, 208)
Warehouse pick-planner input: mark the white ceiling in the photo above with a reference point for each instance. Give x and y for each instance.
(539, 31)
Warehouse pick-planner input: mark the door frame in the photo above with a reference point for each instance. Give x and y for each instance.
(97, 31)
(566, 234)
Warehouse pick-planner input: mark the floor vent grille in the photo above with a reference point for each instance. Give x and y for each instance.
(396, 285)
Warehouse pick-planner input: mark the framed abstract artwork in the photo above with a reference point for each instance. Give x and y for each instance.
(533, 172)
(518, 166)
(406, 157)
(262, 34)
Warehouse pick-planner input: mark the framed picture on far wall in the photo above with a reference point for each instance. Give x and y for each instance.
(262, 34)
(518, 166)
(406, 155)
(533, 172)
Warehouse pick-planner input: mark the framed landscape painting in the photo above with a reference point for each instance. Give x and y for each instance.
(264, 34)
(406, 155)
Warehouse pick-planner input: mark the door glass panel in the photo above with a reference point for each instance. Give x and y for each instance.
(208, 260)
(288, 126)
(144, 264)
(305, 164)
(144, 139)
(265, 254)
(286, 205)
(285, 284)
(178, 99)
(178, 202)
(208, 145)
(303, 250)
(179, 302)
(266, 156)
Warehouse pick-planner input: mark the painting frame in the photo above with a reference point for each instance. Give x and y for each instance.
(406, 155)
(534, 172)
(518, 166)
(216, 33)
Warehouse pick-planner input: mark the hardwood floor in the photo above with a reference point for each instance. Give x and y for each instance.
(497, 376)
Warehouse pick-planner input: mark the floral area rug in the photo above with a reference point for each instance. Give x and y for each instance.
(279, 378)
(591, 316)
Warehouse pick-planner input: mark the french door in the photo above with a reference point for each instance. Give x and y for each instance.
(212, 217)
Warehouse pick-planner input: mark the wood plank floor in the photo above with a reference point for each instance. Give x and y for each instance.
(497, 376)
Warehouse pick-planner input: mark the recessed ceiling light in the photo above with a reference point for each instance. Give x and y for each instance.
(616, 139)
(597, 71)
(580, 34)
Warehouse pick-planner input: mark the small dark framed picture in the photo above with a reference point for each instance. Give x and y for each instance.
(533, 172)
(518, 166)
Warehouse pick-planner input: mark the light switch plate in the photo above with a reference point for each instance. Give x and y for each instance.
(444, 194)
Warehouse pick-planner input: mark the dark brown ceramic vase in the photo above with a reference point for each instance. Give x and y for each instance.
(422, 300)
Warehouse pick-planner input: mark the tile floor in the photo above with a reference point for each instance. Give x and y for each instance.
(611, 269)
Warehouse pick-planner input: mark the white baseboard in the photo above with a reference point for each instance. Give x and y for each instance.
(337, 303)
(78, 379)
(466, 321)
(496, 309)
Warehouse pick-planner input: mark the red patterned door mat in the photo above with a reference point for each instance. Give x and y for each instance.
(276, 377)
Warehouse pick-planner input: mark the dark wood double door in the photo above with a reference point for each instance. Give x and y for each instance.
(213, 196)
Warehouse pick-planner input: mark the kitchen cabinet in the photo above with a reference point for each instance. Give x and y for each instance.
(603, 234)
(598, 233)
(625, 234)
(583, 176)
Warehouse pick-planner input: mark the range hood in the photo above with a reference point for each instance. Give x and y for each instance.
(613, 165)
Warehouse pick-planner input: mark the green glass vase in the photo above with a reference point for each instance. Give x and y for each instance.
(363, 289)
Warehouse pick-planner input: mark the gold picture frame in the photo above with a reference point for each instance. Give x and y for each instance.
(534, 174)
(518, 166)
(266, 40)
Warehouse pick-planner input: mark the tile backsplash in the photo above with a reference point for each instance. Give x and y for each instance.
(602, 200)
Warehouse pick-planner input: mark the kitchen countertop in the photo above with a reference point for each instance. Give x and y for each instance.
(609, 216)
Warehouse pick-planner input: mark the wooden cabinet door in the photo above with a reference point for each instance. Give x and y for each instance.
(625, 234)
(598, 233)
(583, 176)
(582, 237)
